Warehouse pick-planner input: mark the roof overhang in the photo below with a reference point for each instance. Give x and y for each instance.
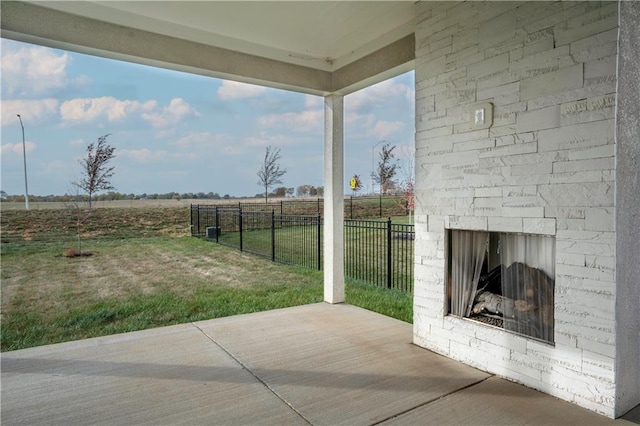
(310, 47)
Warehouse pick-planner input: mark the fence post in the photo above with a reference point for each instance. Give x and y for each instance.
(273, 236)
(388, 252)
(380, 198)
(198, 210)
(281, 207)
(240, 226)
(351, 207)
(318, 205)
(218, 227)
(319, 242)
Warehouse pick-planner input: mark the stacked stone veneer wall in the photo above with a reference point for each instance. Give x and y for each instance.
(545, 166)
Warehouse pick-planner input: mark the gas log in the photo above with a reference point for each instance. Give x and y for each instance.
(515, 290)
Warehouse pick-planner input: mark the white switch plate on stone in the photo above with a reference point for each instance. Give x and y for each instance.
(482, 116)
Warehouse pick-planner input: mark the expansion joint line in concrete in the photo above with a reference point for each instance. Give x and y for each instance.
(431, 400)
(265, 384)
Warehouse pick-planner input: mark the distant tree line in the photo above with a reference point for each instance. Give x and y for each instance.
(281, 192)
(300, 191)
(113, 196)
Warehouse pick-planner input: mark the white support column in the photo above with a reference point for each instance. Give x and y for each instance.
(333, 199)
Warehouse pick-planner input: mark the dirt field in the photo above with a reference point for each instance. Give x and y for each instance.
(50, 225)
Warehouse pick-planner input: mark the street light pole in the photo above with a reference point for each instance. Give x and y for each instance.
(24, 157)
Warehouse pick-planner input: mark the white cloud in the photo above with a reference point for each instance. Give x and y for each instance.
(379, 94)
(34, 70)
(16, 148)
(171, 114)
(165, 133)
(384, 129)
(30, 110)
(360, 121)
(185, 155)
(233, 150)
(263, 139)
(313, 102)
(85, 110)
(310, 120)
(143, 155)
(200, 139)
(76, 142)
(235, 90)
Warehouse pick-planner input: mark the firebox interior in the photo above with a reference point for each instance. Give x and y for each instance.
(504, 280)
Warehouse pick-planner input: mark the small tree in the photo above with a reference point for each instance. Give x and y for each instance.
(270, 173)
(280, 191)
(407, 186)
(96, 174)
(304, 190)
(408, 194)
(386, 169)
(79, 217)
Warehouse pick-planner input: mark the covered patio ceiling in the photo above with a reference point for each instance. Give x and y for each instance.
(316, 47)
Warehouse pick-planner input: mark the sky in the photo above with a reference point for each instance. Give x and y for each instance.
(179, 132)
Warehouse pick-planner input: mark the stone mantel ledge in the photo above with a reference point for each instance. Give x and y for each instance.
(526, 225)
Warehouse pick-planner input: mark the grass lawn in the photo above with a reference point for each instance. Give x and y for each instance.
(143, 282)
(365, 248)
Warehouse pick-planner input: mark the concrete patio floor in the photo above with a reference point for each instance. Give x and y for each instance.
(318, 364)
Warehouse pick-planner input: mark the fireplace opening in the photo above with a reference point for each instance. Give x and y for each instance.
(504, 280)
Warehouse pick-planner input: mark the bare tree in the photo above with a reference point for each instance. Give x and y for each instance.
(386, 170)
(96, 174)
(270, 173)
(408, 183)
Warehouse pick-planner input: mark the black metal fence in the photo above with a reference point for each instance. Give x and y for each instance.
(354, 207)
(378, 252)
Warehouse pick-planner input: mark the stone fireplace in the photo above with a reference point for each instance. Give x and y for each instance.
(518, 172)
